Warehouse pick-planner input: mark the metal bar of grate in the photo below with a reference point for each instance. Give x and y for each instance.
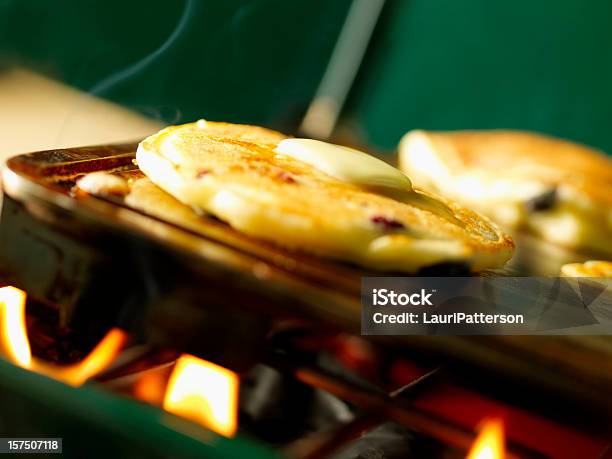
(322, 445)
(392, 408)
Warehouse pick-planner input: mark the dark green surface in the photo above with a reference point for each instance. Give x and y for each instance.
(543, 65)
(253, 61)
(96, 424)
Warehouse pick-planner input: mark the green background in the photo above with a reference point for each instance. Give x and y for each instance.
(234, 60)
(540, 65)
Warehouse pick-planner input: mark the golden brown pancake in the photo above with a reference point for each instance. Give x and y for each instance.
(592, 268)
(103, 183)
(555, 188)
(234, 173)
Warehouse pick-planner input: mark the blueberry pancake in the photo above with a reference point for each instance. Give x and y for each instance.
(557, 189)
(340, 204)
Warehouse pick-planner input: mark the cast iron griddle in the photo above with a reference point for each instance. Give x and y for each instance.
(281, 281)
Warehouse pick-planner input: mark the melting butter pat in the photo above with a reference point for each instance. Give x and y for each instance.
(362, 170)
(346, 164)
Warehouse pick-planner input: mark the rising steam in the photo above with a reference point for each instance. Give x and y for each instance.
(135, 68)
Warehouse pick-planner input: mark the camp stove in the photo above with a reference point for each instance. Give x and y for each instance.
(132, 335)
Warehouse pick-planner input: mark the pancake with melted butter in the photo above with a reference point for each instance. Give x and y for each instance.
(234, 173)
(558, 189)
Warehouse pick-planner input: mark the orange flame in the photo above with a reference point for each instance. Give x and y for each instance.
(490, 441)
(205, 393)
(13, 337)
(150, 387)
(15, 345)
(96, 361)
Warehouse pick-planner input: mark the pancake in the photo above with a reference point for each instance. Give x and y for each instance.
(234, 173)
(557, 189)
(592, 268)
(103, 183)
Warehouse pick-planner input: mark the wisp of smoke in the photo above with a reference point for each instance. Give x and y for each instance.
(138, 66)
(164, 113)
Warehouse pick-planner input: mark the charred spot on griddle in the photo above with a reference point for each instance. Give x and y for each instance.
(389, 224)
(446, 269)
(543, 201)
